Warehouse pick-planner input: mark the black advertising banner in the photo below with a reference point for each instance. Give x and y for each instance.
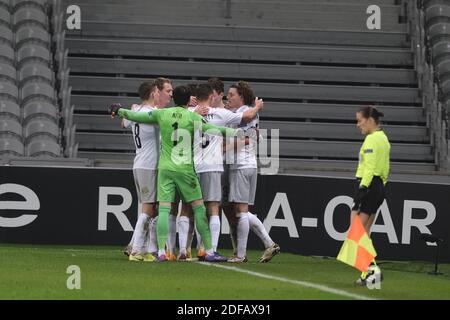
(311, 215)
(306, 215)
(72, 206)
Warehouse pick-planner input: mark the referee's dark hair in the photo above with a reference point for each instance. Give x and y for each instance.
(204, 90)
(181, 95)
(146, 88)
(371, 112)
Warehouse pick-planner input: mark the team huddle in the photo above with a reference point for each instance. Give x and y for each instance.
(201, 152)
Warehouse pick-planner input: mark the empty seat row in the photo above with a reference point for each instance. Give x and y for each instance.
(441, 51)
(35, 127)
(29, 51)
(14, 5)
(270, 90)
(437, 12)
(28, 71)
(280, 36)
(9, 109)
(7, 71)
(242, 70)
(439, 32)
(35, 148)
(32, 109)
(29, 90)
(244, 51)
(23, 15)
(25, 34)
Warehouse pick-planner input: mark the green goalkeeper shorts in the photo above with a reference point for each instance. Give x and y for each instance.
(186, 183)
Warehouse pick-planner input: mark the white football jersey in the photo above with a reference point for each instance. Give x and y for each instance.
(208, 151)
(244, 157)
(146, 139)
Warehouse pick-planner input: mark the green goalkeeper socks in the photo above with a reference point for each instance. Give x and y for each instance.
(162, 227)
(202, 225)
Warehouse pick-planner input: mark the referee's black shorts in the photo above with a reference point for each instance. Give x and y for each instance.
(374, 198)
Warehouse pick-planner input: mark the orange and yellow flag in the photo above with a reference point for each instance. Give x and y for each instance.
(357, 250)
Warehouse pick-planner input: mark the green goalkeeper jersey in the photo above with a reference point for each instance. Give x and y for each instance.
(177, 127)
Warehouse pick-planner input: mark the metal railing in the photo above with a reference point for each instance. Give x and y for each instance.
(437, 118)
(60, 53)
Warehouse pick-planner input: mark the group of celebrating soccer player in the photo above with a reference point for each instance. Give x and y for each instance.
(202, 152)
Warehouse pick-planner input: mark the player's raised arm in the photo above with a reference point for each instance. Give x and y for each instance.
(139, 117)
(251, 113)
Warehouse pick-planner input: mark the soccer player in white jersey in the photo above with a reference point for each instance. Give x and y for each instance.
(154, 94)
(243, 178)
(146, 140)
(208, 160)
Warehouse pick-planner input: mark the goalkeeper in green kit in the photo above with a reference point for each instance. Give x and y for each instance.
(175, 166)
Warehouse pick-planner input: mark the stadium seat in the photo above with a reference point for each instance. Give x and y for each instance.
(105, 141)
(30, 14)
(270, 90)
(441, 52)
(301, 15)
(342, 131)
(7, 53)
(43, 147)
(11, 126)
(342, 150)
(37, 89)
(11, 146)
(436, 11)
(438, 32)
(245, 51)
(33, 70)
(37, 108)
(33, 51)
(6, 34)
(9, 109)
(314, 75)
(443, 69)
(242, 70)
(5, 17)
(97, 123)
(286, 110)
(447, 105)
(16, 4)
(41, 126)
(32, 33)
(280, 36)
(8, 90)
(445, 85)
(5, 4)
(7, 71)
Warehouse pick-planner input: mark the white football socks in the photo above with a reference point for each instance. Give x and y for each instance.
(214, 226)
(258, 228)
(243, 229)
(190, 236)
(153, 243)
(183, 230)
(140, 233)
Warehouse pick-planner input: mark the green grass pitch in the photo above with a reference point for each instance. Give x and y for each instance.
(40, 272)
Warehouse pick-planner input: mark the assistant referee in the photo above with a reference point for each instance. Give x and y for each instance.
(373, 169)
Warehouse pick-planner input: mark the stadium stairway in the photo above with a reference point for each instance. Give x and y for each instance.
(314, 63)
